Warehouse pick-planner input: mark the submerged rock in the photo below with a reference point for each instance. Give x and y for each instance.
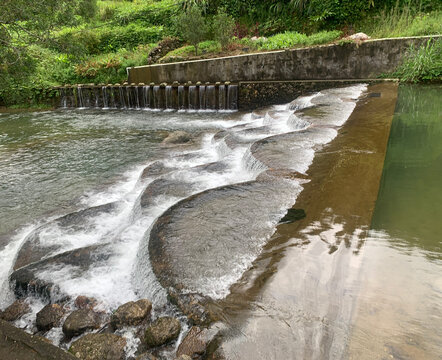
(15, 311)
(17, 344)
(162, 331)
(178, 137)
(157, 168)
(48, 317)
(194, 306)
(162, 186)
(99, 347)
(131, 313)
(292, 216)
(27, 280)
(80, 321)
(194, 344)
(35, 249)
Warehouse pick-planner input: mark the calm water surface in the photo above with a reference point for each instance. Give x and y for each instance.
(399, 313)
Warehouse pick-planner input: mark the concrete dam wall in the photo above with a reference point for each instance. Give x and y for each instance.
(328, 62)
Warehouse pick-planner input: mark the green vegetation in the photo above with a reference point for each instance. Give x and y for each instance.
(53, 42)
(422, 64)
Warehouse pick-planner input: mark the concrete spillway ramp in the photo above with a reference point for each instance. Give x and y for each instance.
(297, 301)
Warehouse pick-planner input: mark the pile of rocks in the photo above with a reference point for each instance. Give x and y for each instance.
(96, 334)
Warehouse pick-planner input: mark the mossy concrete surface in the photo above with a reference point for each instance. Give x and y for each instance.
(348, 60)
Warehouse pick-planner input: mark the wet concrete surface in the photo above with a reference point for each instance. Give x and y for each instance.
(297, 300)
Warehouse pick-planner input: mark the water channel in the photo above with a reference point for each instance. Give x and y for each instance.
(357, 276)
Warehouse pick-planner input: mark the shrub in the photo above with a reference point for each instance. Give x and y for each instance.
(192, 26)
(128, 37)
(422, 64)
(223, 27)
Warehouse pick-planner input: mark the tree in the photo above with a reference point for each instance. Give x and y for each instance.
(223, 27)
(24, 22)
(192, 26)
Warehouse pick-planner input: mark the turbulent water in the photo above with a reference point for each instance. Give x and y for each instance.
(102, 183)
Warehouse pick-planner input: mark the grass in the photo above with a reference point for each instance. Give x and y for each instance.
(205, 48)
(422, 64)
(292, 39)
(403, 22)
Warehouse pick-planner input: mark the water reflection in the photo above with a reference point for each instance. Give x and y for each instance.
(398, 311)
(410, 197)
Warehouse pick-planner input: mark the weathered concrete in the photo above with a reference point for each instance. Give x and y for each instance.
(346, 61)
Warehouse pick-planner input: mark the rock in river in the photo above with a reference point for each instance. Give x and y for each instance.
(49, 317)
(178, 137)
(99, 347)
(80, 321)
(15, 311)
(162, 331)
(131, 313)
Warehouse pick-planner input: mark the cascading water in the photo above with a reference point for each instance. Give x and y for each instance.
(146, 96)
(158, 97)
(213, 179)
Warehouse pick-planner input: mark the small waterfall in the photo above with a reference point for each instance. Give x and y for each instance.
(222, 97)
(181, 98)
(156, 97)
(211, 97)
(146, 96)
(122, 99)
(297, 123)
(80, 97)
(193, 98)
(169, 97)
(202, 97)
(138, 98)
(252, 164)
(104, 90)
(63, 98)
(232, 97)
(97, 97)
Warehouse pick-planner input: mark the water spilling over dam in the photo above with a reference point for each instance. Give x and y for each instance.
(190, 97)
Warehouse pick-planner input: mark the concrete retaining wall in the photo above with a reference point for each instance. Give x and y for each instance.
(346, 61)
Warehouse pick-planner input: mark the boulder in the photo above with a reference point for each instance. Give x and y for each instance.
(26, 280)
(162, 331)
(15, 311)
(99, 347)
(194, 306)
(178, 137)
(48, 317)
(359, 37)
(198, 341)
(80, 321)
(84, 302)
(17, 344)
(183, 357)
(131, 313)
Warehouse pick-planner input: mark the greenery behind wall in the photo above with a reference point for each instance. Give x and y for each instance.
(50, 42)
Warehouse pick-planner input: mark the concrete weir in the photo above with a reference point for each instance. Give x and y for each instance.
(352, 60)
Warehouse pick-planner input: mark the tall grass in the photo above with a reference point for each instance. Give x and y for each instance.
(403, 20)
(422, 64)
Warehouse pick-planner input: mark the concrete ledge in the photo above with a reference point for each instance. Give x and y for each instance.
(347, 61)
